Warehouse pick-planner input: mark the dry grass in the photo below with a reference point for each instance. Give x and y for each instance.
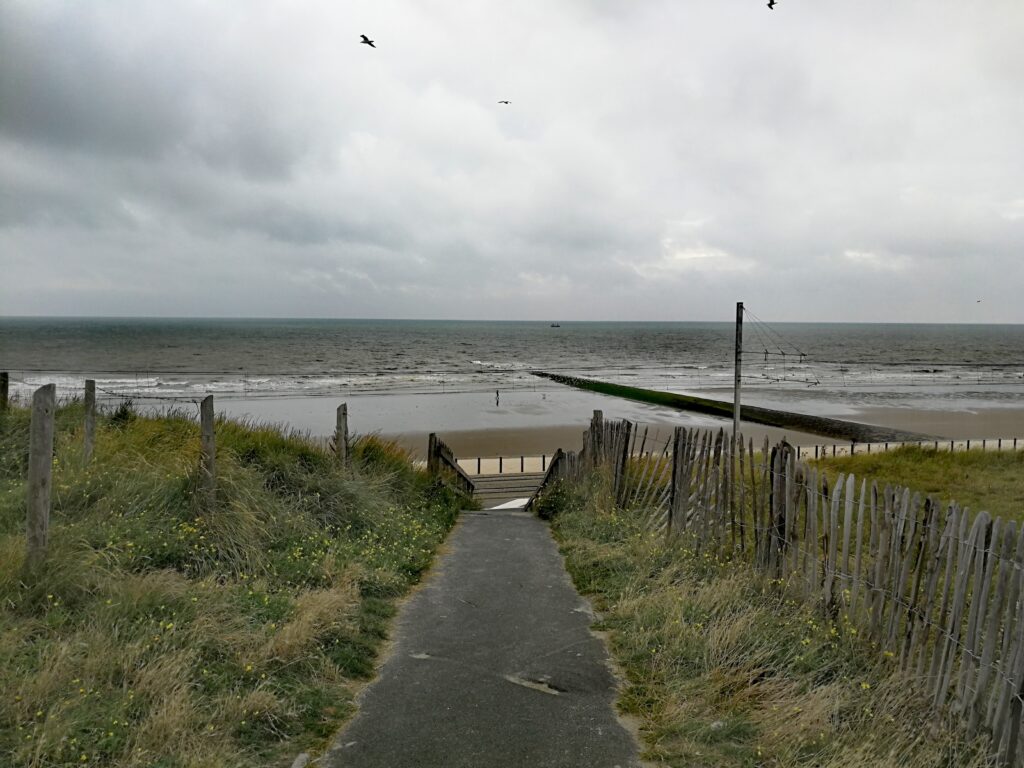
(725, 670)
(159, 633)
(980, 480)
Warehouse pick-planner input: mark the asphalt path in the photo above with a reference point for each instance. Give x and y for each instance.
(493, 665)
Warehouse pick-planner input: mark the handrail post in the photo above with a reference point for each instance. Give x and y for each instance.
(432, 459)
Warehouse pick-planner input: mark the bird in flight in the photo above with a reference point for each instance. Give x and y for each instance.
(504, 102)
(771, 5)
(367, 41)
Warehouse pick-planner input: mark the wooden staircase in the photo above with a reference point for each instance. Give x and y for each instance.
(494, 490)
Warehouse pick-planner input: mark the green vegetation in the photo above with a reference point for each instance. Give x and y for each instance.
(980, 480)
(159, 633)
(724, 669)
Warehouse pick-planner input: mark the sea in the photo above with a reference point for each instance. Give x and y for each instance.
(813, 367)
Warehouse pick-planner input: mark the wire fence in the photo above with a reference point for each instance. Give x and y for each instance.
(937, 590)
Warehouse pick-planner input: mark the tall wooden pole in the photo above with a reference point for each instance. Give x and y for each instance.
(90, 418)
(737, 373)
(40, 471)
(4, 389)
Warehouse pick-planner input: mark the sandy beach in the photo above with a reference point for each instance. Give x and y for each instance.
(532, 423)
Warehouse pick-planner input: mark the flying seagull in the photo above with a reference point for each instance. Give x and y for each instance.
(771, 4)
(367, 41)
(504, 102)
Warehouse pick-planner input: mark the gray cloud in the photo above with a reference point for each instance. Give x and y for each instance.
(658, 161)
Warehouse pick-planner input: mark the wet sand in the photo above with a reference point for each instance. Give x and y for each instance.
(1006, 423)
(960, 425)
(529, 422)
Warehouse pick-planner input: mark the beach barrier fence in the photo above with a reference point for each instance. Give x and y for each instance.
(938, 592)
(829, 450)
(41, 454)
(503, 465)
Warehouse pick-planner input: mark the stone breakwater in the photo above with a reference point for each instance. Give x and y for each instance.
(837, 429)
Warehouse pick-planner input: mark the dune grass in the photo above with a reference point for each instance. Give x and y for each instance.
(981, 480)
(724, 669)
(160, 633)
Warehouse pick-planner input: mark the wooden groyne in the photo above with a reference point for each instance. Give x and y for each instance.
(838, 429)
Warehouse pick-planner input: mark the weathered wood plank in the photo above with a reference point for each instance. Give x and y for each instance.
(844, 569)
(906, 557)
(858, 550)
(1002, 690)
(89, 436)
(1002, 558)
(954, 624)
(881, 562)
(341, 435)
(828, 594)
(984, 563)
(208, 451)
(40, 474)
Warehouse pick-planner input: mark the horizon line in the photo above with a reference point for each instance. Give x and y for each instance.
(474, 320)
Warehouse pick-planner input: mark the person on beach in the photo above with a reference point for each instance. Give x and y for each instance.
(497, 397)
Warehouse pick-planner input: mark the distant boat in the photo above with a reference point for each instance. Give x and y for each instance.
(555, 325)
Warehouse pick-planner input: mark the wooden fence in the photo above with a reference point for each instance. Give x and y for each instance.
(937, 590)
(998, 444)
(41, 451)
(441, 463)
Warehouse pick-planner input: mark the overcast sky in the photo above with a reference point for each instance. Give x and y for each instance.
(663, 159)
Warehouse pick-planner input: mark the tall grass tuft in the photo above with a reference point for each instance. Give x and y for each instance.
(162, 633)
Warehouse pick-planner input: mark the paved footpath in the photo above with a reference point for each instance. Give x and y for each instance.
(493, 665)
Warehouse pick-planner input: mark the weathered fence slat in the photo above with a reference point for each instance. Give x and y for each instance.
(954, 623)
(983, 562)
(858, 549)
(833, 535)
(844, 570)
(1002, 557)
(1001, 690)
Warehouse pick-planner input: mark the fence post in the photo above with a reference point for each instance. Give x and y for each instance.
(597, 437)
(40, 472)
(5, 383)
(432, 461)
(90, 419)
(341, 435)
(208, 451)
